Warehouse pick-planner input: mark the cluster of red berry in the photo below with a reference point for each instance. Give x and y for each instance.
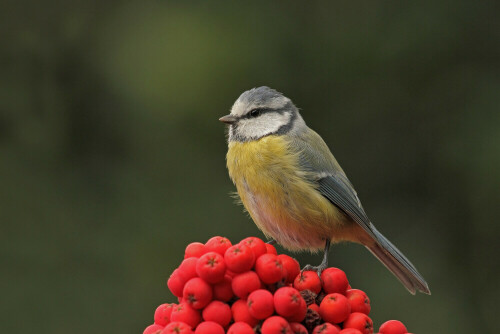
(248, 288)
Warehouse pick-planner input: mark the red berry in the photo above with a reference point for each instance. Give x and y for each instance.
(218, 245)
(230, 273)
(314, 307)
(176, 283)
(153, 329)
(291, 266)
(334, 308)
(245, 283)
(240, 328)
(218, 312)
(269, 268)
(287, 301)
(271, 249)
(334, 280)
(257, 245)
(162, 314)
(239, 258)
(276, 325)
(209, 327)
(326, 328)
(223, 290)
(260, 304)
(300, 315)
(359, 301)
(307, 280)
(194, 249)
(361, 322)
(197, 293)
(298, 328)
(350, 331)
(185, 313)
(393, 327)
(211, 267)
(177, 327)
(241, 313)
(187, 268)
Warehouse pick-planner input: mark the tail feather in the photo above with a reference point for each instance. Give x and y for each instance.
(398, 264)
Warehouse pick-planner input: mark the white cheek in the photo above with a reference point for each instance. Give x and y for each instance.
(262, 125)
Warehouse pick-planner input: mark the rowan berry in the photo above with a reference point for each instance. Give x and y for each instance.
(209, 327)
(326, 328)
(361, 322)
(218, 312)
(185, 313)
(223, 290)
(270, 249)
(307, 280)
(291, 266)
(245, 283)
(269, 268)
(153, 329)
(218, 245)
(300, 315)
(276, 325)
(359, 301)
(194, 249)
(211, 267)
(257, 245)
(314, 307)
(187, 268)
(241, 313)
(260, 304)
(298, 328)
(287, 301)
(197, 293)
(334, 280)
(240, 328)
(393, 327)
(239, 258)
(162, 314)
(350, 331)
(177, 327)
(176, 283)
(334, 308)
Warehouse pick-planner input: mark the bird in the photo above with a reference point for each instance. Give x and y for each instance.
(293, 187)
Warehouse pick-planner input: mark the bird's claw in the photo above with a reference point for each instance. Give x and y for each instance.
(318, 269)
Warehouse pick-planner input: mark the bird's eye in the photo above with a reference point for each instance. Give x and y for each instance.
(255, 113)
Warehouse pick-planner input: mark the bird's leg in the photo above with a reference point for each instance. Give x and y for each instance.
(271, 242)
(324, 264)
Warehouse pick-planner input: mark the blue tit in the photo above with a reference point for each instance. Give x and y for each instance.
(293, 187)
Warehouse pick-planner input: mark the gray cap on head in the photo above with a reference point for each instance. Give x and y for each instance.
(260, 97)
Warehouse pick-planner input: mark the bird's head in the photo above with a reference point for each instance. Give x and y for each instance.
(261, 112)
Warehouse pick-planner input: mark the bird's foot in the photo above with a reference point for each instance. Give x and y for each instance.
(271, 242)
(318, 269)
(323, 265)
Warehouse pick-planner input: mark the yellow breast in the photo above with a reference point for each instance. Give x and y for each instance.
(277, 193)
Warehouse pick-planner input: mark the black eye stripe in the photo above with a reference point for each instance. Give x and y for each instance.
(254, 112)
(259, 111)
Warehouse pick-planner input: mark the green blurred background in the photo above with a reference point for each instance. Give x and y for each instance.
(112, 158)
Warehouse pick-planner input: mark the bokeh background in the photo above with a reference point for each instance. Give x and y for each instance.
(112, 158)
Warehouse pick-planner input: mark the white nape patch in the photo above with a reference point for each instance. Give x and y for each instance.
(262, 125)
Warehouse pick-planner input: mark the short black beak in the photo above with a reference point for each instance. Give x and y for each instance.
(228, 119)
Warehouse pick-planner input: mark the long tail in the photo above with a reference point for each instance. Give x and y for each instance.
(398, 264)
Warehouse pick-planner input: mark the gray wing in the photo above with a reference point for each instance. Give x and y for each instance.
(324, 170)
(339, 191)
(333, 184)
